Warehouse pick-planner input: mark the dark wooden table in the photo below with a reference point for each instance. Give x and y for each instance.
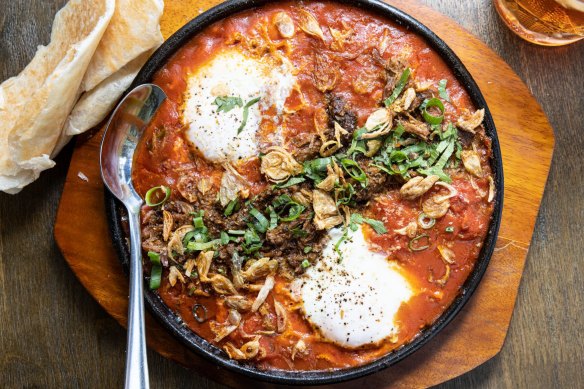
(53, 334)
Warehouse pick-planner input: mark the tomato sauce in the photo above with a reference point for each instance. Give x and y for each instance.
(165, 155)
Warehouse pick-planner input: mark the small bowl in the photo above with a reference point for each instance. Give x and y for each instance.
(173, 323)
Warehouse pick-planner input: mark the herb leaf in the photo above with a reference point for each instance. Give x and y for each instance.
(403, 80)
(377, 225)
(227, 103)
(291, 182)
(442, 90)
(246, 113)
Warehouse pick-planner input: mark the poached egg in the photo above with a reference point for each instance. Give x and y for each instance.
(353, 299)
(231, 73)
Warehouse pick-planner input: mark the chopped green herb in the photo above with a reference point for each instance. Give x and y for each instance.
(284, 204)
(232, 206)
(346, 194)
(403, 80)
(246, 113)
(442, 90)
(225, 239)
(202, 246)
(251, 241)
(261, 224)
(299, 233)
(291, 182)
(354, 170)
(450, 229)
(273, 218)
(305, 264)
(307, 249)
(227, 103)
(377, 225)
(316, 169)
(337, 246)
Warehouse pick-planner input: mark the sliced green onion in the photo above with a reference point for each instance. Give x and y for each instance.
(225, 238)
(450, 229)
(305, 264)
(200, 313)
(433, 102)
(354, 170)
(153, 192)
(246, 113)
(202, 246)
(154, 258)
(413, 245)
(198, 222)
(231, 207)
(261, 223)
(425, 221)
(403, 80)
(155, 277)
(442, 90)
(307, 249)
(236, 232)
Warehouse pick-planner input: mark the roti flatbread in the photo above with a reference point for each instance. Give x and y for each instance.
(35, 104)
(130, 38)
(96, 50)
(133, 30)
(94, 105)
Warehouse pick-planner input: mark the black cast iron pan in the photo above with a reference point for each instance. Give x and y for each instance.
(172, 321)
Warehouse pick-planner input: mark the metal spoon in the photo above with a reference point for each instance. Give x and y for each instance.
(120, 139)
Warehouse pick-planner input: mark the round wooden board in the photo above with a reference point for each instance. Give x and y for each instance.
(478, 332)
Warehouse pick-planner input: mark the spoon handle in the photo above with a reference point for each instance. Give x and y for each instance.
(136, 361)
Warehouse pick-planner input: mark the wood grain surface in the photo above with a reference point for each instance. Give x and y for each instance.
(53, 334)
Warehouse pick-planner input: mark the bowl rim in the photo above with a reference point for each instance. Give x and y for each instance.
(173, 323)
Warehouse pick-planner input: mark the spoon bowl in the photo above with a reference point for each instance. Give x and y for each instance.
(121, 137)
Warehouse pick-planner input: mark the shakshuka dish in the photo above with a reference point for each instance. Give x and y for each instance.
(317, 186)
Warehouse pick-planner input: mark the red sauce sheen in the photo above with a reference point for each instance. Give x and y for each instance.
(165, 155)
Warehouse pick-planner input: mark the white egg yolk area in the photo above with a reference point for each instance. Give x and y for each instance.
(353, 302)
(232, 74)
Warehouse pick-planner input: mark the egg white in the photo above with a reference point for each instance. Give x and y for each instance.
(353, 302)
(232, 73)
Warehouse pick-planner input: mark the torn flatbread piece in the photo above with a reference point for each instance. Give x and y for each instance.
(35, 104)
(133, 30)
(94, 105)
(132, 35)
